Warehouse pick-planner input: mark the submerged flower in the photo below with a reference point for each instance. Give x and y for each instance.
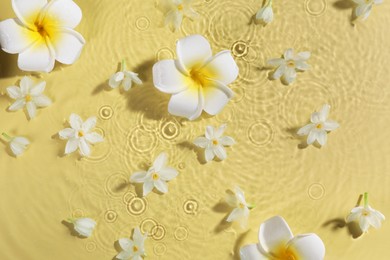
(241, 209)
(288, 66)
(366, 216)
(42, 33)
(83, 226)
(319, 127)
(196, 80)
(132, 248)
(364, 7)
(79, 136)
(276, 241)
(214, 142)
(265, 14)
(176, 10)
(29, 95)
(156, 177)
(124, 78)
(17, 144)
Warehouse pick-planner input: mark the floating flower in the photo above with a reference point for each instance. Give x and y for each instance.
(288, 66)
(156, 177)
(133, 248)
(176, 10)
(124, 78)
(42, 33)
(276, 241)
(364, 7)
(29, 95)
(214, 143)
(319, 127)
(366, 216)
(83, 226)
(265, 15)
(196, 80)
(241, 209)
(79, 136)
(17, 144)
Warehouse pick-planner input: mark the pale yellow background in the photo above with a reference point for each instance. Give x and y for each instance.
(312, 188)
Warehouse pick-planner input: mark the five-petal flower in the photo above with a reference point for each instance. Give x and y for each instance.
(196, 80)
(17, 144)
(83, 226)
(288, 66)
(132, 248)
(213, 142)
(42, 33)
(176, 10)
(319, 127)
(241, 209)
(79, 136)
(276, 241)
(364, 7)
(124, 78)
(157, 175)
(29, 95)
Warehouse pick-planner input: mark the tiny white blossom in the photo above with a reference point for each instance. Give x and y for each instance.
(214, 142)
(319, 127)
(17, 144)
(29, 95)
(176, 10)
(364, 7)
(133, 248)
(124, 78)
(156, 177)
(83, 226)
(265, 14)
(241, 209)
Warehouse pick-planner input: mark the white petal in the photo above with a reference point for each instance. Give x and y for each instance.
(362, 9)
(42, 101)
(323, 114)
(288, 54)
(175, 18)
(39, 57)
(69, 44)
(379, 215)
(210, 132)
(27, 10)
(266, 14)
(138, 238)
(374, 221)
(75, 121)
(331, 125)
(209, 154)
(312, 137)
(364, 224)
(223, 67)
(160, 162)
(240, 195)
(308, 246)
(220, 152)
(305, 130)
(193, 51)
(31, 109)
(279, 71)
(14, 92)
(305, 55)
(134, 77)
(188, 103)
(25, 85)
(301, 65)
(168, 173)
(167, 78)
(116, 79)
(315, 118)
(251, 252)
(231, 199)
(89, 124)
(216, 96)
(161, 186)
(14, 37)
(18, 104)
(322, 137)
(273, 233)
(21, 140)
(66, 13)
(138, 177)
(94, 138)
(67, 133)
(227, 141)
(235, 215)
(147, 187)
(71, 145)
(219, 131)
(201, 142)
(18, 145)
(124, 255)
(85, 150)
(125, 243)
(367, 13)
(353, 216)
(378, 2)
(127, 84)
(38, 88)
(276, 62)
(289, 75)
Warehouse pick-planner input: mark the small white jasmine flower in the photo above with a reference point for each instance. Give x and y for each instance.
(214, 143)
(265, 14)
(17, 144)
(176, 10)
(241, 209)
(29, 95)
(276, 241)
(79, 136)
(83, 226)
(364, 7)
(319, 127)
(288, 66)
(133, 248)
(124, 78)
(156, 177)
(366, 216)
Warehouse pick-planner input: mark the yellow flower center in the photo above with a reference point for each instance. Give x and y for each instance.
(319, 126)
(41, 29)
(288, 255)
(155, 176)
(365, 213)
(241, 205)
(81, 134)
(198, 77)
(180, 7)
(215, 142)
(28, 98)
(291, 64)
(44, 27)
(135, 249)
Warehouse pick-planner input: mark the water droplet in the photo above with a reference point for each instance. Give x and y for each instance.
(191, 207)
(106, 112)
(181, 233)
(240, 49)
(110, 216)
(316, 191)
(137, 206)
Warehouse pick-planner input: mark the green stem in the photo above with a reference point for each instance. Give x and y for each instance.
(366, 199)
(70, 220)
(269, 3)
(6, 137)
(123, 65)
(251, 206)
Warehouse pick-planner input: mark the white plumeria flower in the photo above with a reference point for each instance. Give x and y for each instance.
(214, 142)
(42, 33)
(156, 177)
(133, 248)
(241, 209)
(265, 14)
(366, 216)
(176, 10)
(17, 144)
(288, 66)
(83, 226)
(364, 7)
(319, 127)
(124, 78)
(276, 241)
(29, 95)
(79, 136)
(196, 80)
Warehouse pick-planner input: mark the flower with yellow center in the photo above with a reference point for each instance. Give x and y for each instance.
(83, 226)
(156, 177)
(80, 135)
(319, 127)
(125, 78)
(276, 241)
(366, 216)
(176, 10)
(42, 33)
(287, 67)
(197, 80)
(213, 142)
(29, 95)
(132, 248)
(364, 7)
(240, 213)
